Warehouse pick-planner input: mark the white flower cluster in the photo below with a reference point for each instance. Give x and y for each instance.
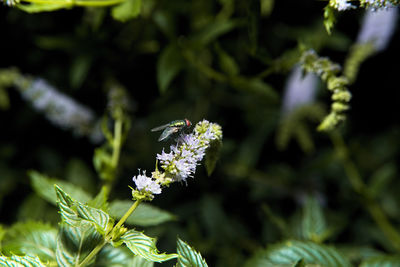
(60, 109)
(341, 5)
(146, 183)
(377, 4)
(183, 158)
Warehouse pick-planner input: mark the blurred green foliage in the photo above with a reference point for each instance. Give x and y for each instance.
(281, 192)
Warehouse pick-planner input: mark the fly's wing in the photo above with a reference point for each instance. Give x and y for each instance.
(159, 128)
(167, 132)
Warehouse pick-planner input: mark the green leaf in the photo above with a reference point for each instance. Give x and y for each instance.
(74, 212)
(75, 243)
(188, 257)
(255, 86)
(79, 70)
(36, 7)
(4, 99)
(169, 64)
(226, 62)
(381, 178)
(253, 21)
(120, 257)
(290, 252)
(313, 222)
(144, 246)
(382, 261)
(214, 30)
(212, 156)
(127, 10)
(98, 217)
(32, 239)
(144, 215)
(44, 187)
(329, 18)
(19, 261)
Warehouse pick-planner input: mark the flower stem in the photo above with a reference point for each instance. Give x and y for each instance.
(360, 187)
(109, 235)
(117, 142)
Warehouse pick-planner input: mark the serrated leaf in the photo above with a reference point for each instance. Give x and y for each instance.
(144, 215)
(188, 257)
(75, 243)
(382, 261)
(32, 239)
(290, 252)
(169, 64)
(212, 156)
(129, 9)
(44, 187)
(313, 222)
(66, 204)
(98, 217)
(74, 212)
(20, 261)
(144, 246)
(120, 257)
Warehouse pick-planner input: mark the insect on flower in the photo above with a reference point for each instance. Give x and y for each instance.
(171, 128)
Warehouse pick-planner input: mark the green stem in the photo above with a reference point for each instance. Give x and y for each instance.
(109, 235)
(360, 187)
(117, 142)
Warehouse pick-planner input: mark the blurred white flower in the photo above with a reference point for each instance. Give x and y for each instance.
(378, 27)
(341, 5)
(60, 109)
(299, 90)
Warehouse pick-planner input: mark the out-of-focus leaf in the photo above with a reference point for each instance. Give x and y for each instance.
(212, 156)
(329, 18)
(266, 7)
(227, 63)
(169, 64)
(100, 201)
(144, 246)
(78, 173)
(120, 257)
(2, 233)
(144, 215)
(313, 222)
(381, 261)
(129, 9)
(79, 70)
(35, 208)
(36, 7)
(255, 86)
(33, 239)
(381, 178)
(4, 100)
(214, 30)
(20, 261)
(188, 256)
(253, 20)
(44, 187)
(290, 252)
(75, 243)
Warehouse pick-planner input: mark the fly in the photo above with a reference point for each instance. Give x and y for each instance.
(172, 128)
